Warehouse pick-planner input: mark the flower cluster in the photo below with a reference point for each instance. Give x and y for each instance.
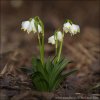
(58, 36)
(30, 26)
(35, 25)
(47, 74)
(67, 27)
(71, 28)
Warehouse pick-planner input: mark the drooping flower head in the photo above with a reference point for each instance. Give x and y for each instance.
(25, 25)
(66, 27)
(39, 25)
(57, 37)
(74, 29)
(71, 28)
(32, 25)
(39, 28)
(51, 40)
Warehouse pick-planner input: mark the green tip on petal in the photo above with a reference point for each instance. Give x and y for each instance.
(68, 20)
(79, 30)
(30, 19)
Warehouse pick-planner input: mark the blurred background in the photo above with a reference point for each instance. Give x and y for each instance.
(83, 49)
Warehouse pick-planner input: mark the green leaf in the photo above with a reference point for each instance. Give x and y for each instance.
(34, 64)
(57, 82)
(39, 82)
(61, 77)
(37, 65)
(48, 66)
(58, 68)
(48, 77)
(65, 74)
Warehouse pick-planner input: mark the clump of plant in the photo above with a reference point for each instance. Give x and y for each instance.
(48, 74)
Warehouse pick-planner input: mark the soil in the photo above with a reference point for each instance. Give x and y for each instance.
(18, 48)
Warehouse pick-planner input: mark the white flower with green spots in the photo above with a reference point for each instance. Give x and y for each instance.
(66, 27)
(74, 29)
(53, 38)
(29, 26)
(71, 28)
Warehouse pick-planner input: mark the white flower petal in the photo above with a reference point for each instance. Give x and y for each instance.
(39, 29)
(33, 26)
(51, 40)
(25, 25)
(74, 29)
(66, 27)
(29, 29)
(59, 36)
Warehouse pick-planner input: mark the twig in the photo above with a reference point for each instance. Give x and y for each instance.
(4, 70)
(82, 48)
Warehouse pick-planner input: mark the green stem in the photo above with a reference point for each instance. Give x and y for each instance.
(40, 47)
(56, 46)
(56, 52)
(60, 49)
(42, 51)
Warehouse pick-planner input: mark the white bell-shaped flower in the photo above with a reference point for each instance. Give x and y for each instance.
(51, 40)
(66, 27)
(74, 29)
(29, 29)
(39, 28)
(59, 36)
(33, 26)
(25, 25)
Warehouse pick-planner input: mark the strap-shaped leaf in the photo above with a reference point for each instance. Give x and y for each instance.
(37, 65)
(49, 66)
(66, 74)
(57, 82)
(61, 77)
(48, 77)
(39, 82)
(34, 63)
(58, 68)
